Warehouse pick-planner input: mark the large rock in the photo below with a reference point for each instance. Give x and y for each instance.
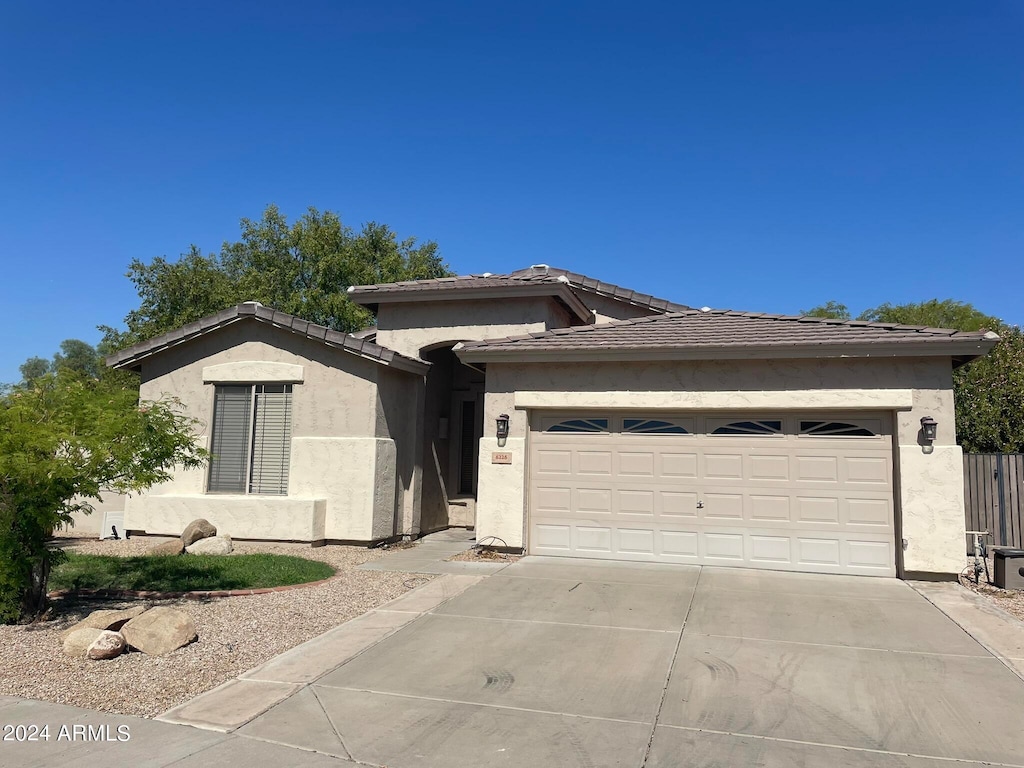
(78, 642)
(172, 547)
(196, 530)
(112, 620)
(106, 646)
(159, 630)
(216, 545)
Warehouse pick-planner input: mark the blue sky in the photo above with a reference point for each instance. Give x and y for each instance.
(762, 156)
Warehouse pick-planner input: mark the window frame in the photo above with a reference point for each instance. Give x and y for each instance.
(251, 423)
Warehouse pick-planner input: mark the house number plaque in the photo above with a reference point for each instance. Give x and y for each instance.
(501, 457)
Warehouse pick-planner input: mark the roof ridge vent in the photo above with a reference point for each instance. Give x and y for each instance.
(542, 268)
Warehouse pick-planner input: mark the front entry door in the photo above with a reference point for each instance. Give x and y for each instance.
(470, 430)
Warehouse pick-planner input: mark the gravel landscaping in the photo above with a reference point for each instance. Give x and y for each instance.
(235, 634)
(475, 555)
(1009, 600)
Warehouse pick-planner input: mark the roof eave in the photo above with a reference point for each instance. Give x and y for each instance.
(128, 359)
(562, 291)
(962, 351)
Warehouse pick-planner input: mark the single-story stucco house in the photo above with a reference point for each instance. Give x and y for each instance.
(565, 416)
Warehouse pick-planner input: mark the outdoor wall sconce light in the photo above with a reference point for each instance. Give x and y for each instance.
(929, 429)
(502, 428)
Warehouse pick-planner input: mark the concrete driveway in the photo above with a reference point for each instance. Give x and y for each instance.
(557, 663)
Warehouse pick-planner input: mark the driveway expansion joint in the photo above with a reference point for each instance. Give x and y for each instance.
(486, 705)
(668, 675)
(870, 750)
(330, 721)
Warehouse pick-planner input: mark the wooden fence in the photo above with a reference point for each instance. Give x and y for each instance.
(994, 489)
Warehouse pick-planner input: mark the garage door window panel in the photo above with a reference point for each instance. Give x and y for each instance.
(745, 428)
(655, 427)
(579, 426)
(836, 429)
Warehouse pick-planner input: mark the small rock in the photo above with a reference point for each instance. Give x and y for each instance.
(78, 642)
(106, 646)
(112, 620)
(159, 630)
(196, 530)
(172, 547)
(216, 545)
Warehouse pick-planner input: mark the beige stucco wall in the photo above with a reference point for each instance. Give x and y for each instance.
(343, 460)
(88, 523)
(930, 493)
(355, 476)
(399, 417)
(284, 518)
(337, 396)
(411, 327)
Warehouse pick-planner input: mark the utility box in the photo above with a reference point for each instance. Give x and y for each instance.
(1009, 568)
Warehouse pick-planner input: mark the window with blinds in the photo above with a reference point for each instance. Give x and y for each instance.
(251, 439)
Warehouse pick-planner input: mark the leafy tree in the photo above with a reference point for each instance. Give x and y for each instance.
(831, 309)
(34, 367)
(65, 438)
(933, 314)
(302, 268)
(75, 355)
(990, 397)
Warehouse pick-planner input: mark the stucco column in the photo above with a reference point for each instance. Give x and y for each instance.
(501, 495)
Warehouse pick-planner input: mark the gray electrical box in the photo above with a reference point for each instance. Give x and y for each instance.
(1009, 568)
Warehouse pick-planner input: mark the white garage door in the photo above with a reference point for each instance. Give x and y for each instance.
(800, 492)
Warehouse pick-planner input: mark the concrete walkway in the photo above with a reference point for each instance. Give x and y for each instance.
(551, 662)
(430, 555)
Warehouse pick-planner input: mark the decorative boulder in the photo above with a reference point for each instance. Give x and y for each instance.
(106, 646)
(196, 530)
(216, 545)
(112, 620)
(172, 547)
(159, 631)
(78, 642)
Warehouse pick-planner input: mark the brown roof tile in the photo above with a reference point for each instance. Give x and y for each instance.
(132, 356)
(695, 330)
(535, 275)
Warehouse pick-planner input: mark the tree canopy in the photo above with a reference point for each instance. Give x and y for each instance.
(302, 268)
(830, 309)
(934, 314)
(989, 391)
(75, 355)
(66, 438)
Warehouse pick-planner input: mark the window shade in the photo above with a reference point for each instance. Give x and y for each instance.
(230, 444)
(271, 429)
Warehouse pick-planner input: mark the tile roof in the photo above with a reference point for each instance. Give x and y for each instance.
(539, 274)
(592, 285)
(443, 284)
(695, 331)
(131, 356)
